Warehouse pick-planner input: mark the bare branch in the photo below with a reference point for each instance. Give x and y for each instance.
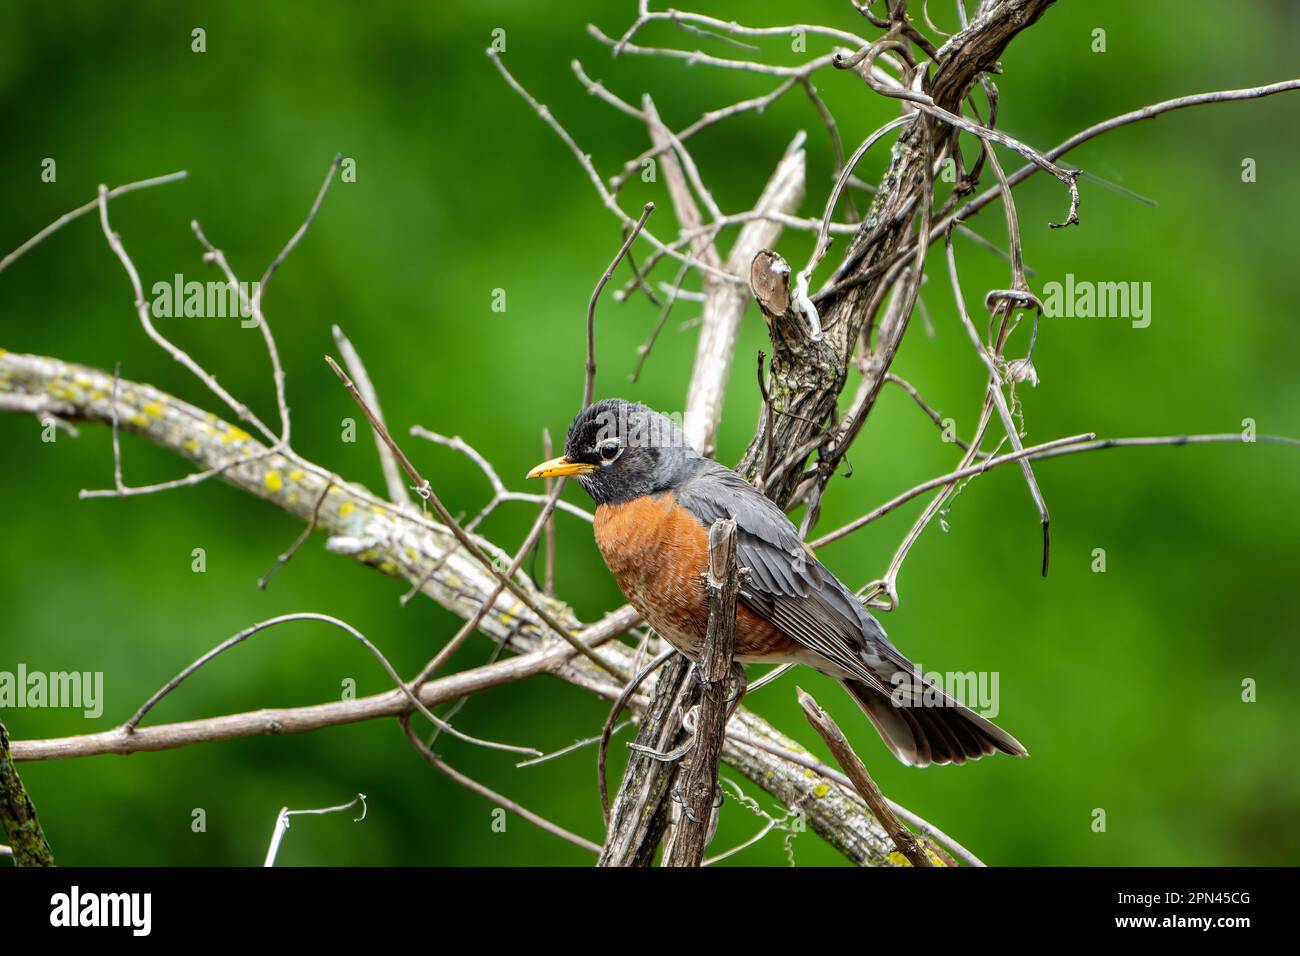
(1073, 445)
(862, 782)
(401, 544)
(425, 490)
(726, 304)
(471, 784)
(142, 311)
(699, 783)
(589, 384)
(297, 720)
(1115, 122)
(584, 160)
(995, 391)
(282, 823)
(68, 217)
(286, 556)
(398, 493)
(130, 726)
(500, 493)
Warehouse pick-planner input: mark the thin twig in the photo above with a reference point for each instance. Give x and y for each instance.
(995, 390)
(297, 720)
(500, 493)
(130, 726)
(930, 412)
(68, 217)
(565, 751)
(548, 581)
(425, 491)
(862, 782)
(1052, 449)
(505, 802)
(282, 823)
(589, 383)
(584, 160)
(1105, 126)
(142, 312)
(808, 762)
(398, 493)
(285, 557)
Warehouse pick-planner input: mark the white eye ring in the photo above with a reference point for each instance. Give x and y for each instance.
(609, 450)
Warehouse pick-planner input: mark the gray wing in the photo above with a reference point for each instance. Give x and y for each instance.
(787, 585)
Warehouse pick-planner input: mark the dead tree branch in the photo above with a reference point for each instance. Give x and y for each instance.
(399, 544)
(18, 818)
(699, 781)
(862, 782)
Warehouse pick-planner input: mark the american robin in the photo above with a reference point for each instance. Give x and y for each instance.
(656, 498)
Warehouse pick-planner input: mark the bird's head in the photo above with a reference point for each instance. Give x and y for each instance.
(621, 450)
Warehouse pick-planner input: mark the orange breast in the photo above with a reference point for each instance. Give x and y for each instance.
(659, 553)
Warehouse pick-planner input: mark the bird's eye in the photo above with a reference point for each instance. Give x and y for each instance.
(609, 450)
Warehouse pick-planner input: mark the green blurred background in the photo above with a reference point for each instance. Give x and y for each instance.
(1126, 686)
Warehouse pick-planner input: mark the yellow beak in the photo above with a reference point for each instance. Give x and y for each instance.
(560, 467)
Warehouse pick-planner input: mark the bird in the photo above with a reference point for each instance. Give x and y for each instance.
(656, 497)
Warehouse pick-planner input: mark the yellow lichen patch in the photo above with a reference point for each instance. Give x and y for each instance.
(821, 790)
(346, 509)
(272, 481)
(138, 420)
(296, 475)
(293, 497)
(154, 410)
(897, 859)
(235, 434)
(3, 353)
(191, 445)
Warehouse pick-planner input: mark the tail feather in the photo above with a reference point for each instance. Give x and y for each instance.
(921, 735)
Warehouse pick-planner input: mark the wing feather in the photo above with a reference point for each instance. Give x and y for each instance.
(786, 584)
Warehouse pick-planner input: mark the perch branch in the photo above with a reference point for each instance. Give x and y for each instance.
(699, 782)
(862, 782)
